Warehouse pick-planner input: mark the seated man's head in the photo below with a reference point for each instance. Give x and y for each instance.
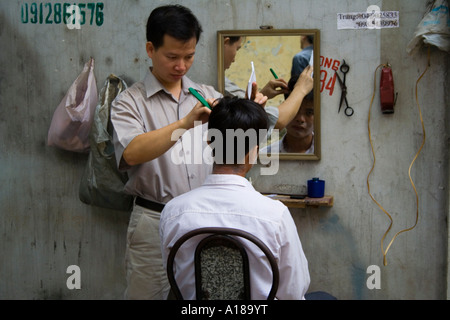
(302, 125)
(236, 128)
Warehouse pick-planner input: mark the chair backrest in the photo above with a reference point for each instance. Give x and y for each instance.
(221, 269)
(218, 255)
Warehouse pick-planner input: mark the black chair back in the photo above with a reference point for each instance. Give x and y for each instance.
(222, 245)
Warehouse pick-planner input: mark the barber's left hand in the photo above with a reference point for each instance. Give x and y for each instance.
(275, 87)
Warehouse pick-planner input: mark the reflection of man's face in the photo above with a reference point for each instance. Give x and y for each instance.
(302, 125)
(230, 51)
(302, 42)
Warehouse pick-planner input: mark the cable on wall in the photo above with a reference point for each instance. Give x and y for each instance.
(384, 252)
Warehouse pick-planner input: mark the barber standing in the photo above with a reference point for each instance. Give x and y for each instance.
(149, 118)
(144, 117)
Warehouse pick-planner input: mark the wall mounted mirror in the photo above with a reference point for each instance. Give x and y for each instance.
(274, 49)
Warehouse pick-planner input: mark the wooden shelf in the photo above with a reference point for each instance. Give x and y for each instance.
(326, 201)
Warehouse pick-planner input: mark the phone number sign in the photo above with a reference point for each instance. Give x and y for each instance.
(373, 18)
(73, 15)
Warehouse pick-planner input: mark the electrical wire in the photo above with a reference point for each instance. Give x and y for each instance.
(409, 171)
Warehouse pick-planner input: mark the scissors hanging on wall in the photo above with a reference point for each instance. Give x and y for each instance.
(344, 69)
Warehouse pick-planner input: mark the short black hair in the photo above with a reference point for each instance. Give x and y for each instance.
(174, 20)
(234, 39)
(239, 121)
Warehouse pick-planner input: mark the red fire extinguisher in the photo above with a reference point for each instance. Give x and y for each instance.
(387, 96)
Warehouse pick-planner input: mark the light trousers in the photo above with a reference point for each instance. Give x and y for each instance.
(146, 276)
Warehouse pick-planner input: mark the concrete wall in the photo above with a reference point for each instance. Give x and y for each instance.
(45, 228)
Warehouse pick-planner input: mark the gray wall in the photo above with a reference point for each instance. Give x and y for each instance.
(45, 228)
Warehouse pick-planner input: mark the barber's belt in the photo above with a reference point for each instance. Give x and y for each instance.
(155, 206)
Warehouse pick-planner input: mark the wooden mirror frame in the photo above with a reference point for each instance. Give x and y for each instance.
(222, 34)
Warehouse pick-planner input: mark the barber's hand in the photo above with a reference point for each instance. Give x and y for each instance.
(275, 87)
(257, 96)
(198, 113)
(212, 102)
(305, 82)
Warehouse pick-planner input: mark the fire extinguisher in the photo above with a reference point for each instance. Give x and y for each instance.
(387, 96)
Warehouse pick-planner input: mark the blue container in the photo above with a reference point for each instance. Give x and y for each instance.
(316, 188)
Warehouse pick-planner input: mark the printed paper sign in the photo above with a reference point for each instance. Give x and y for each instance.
(368, 20)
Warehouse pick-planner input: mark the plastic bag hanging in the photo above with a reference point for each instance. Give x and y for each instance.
(434, 29)
(72, 119)
(102, 184)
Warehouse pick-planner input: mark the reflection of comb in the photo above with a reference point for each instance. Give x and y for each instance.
(274, 74)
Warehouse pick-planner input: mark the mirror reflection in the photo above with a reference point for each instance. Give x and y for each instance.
(279, 57)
